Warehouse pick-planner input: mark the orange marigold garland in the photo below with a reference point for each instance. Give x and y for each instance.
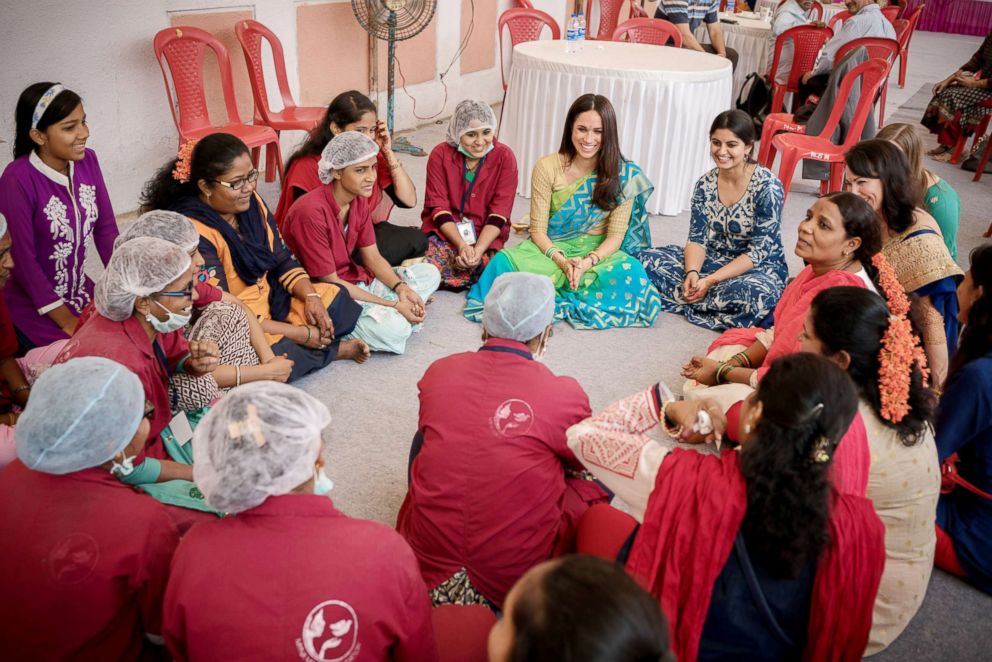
(900, 347)
(181, 172)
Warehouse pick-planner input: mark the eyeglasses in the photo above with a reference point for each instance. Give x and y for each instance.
(188, 292)
(149, 410)
(241, 182)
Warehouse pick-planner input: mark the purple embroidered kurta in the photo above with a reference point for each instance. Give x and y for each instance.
(50, 218)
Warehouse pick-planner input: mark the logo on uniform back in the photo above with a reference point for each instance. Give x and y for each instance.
(513, 418)
(73, 558)
(330, 633)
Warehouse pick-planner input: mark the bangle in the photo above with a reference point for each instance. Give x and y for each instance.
(722, 371)
(594, 257)
(26, 387)
(396, 285)
(690, 271)
(313, 294)
(552, 249)
(237, 372)
(309, 333)
(743, 360)
(667, 424)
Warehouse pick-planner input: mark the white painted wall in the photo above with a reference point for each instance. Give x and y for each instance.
(103, 50)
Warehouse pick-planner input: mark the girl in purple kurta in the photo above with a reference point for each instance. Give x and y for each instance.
(54, 197)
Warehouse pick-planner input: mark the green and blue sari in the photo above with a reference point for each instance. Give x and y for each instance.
(614, 293)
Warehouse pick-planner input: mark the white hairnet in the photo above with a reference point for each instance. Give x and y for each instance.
(3, 225)
(81, 414)
(519, 306)
(465, 113)
(261, 440)
(138, 267)
(345, 149)
(163, 224)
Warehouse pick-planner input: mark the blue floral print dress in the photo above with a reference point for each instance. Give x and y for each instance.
(751, 226)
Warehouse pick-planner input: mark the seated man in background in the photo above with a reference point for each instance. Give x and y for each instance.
(489, 496)
(787, 16)
(867, 20)
(687, 15)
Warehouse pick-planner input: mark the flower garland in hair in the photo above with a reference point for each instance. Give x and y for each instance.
(181, 172)
(900, 347)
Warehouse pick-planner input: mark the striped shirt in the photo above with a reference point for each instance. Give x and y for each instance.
(692, 12)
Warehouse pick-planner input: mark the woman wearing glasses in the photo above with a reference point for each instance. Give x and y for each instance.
(213, 184)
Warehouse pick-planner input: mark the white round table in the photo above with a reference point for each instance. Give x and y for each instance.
(665, 99)
(749, 37)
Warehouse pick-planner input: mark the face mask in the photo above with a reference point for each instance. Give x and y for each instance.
(123, 468)
(465, 152)
(321, 483)
(174, 322)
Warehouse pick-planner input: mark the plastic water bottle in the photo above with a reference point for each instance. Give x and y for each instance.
(572, 34)
(580, 39)
(729, 9)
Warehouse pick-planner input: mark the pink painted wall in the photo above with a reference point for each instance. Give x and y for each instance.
(221, 25)
(479, 54)
(417, 57)
(333, 52)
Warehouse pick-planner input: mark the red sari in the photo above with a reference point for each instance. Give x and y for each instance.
(693, 516)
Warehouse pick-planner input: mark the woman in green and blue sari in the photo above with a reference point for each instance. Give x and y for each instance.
(587, 216)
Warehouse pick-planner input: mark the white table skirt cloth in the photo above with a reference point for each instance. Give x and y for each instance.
(749, 37)
(665, 99)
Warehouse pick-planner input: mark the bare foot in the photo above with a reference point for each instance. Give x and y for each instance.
(943, 157)
(356, 350)
(939, 149)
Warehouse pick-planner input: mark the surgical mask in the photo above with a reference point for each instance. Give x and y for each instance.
(174, 322)
(321, 483)
(468, 154)
(123, 468)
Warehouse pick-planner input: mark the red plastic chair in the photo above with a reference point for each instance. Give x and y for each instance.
(292, 117)
(877, 47)
(648, 31)
(609, 17)
(902, 27)
(180, 53)
(796, 147)
(524, 25)
(983, 125)
(914, 18)
(892, 13)
(636, 11)
(986, 153)
(839, 17)
(807, 40)
(524, 4)
(462, 632)
(817, 12)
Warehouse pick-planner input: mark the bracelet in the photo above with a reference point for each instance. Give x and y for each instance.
(552, 249)
(594, 256)
(313, 294)
(11, 421)
(671, 430)
(309, 333)
(723, 369)
(237, 372)
(743, 360)
(19, 389)
(690, 271)
(394, 166)
(396, 286)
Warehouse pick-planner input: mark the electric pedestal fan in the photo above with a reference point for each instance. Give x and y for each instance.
(392, 21)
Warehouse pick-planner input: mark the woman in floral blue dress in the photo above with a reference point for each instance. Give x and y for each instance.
(732, 270)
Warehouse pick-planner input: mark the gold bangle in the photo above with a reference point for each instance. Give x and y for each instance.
(671, 432)
(309, 334)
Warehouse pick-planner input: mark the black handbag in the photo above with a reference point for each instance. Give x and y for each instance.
(755, 99)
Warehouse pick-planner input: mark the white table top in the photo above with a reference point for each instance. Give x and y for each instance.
(744, 20)
(625, 60)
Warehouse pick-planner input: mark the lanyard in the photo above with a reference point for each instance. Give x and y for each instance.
(160, 355)
(471, 184)
(507, 350)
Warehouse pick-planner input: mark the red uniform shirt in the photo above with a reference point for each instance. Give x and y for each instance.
(8, 348)
(85, 562)
(487, 490)
(301, 178)
(293, 579)
(313, 231)
(493, 193)
(127, 343)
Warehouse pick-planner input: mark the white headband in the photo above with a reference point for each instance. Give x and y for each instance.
(44, 102)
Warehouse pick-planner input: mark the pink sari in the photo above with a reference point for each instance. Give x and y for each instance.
(789, 315)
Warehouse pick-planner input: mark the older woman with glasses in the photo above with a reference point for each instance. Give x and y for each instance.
(143, 301)
(213, 184)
